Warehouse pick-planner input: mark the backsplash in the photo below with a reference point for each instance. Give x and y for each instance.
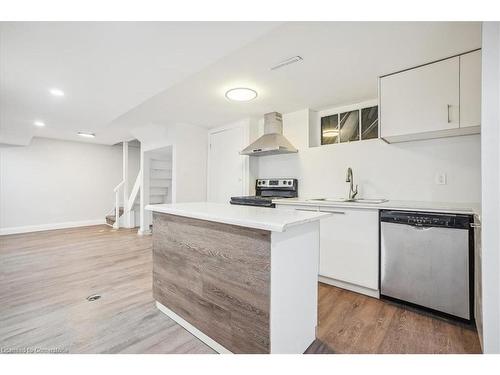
(404, 171)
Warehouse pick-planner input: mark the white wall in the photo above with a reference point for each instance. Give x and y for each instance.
(52, 183)
(189, 164)
(490, 221)
(404, 171)
(189, 154)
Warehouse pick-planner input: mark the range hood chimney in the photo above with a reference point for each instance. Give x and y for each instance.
(272, 142)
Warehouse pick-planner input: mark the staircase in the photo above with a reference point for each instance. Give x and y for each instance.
(155, 174)
(126, 205)
(111, 218)
(160, 181)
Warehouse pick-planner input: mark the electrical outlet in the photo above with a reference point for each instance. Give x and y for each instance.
(440, 178)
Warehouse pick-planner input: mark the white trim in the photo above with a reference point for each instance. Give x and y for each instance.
(192, 329)
(42, 227)
(348, 286)
(140, 232)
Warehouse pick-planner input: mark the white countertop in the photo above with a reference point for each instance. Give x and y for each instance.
(245, 216)
(448, 207)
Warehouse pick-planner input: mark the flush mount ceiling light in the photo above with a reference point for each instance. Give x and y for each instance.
(56, 92)
(241, 94)
(86, 135)
(40, 124)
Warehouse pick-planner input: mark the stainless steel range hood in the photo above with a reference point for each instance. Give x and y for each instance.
(272, 142)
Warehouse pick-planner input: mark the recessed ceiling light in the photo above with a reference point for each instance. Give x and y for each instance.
(56, 92)
(39, 123)
(86, 135)
(241, 94)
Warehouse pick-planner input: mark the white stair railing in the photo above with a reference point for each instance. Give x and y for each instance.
(116, 224)
(135, 191)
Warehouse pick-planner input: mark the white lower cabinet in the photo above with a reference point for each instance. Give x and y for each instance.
(349, 248)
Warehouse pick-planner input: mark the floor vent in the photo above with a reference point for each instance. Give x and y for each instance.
(93, 297)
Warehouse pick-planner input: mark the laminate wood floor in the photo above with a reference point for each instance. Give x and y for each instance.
(45, 278)
(354, 323)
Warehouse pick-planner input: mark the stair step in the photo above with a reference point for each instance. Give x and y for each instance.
(111, 218)
(161, 169)
(156, 199)
(160, 164)
(162, 188)
(159, 173)
(158, 190)
(162, 160)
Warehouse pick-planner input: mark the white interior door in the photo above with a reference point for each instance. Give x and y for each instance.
(227, 168)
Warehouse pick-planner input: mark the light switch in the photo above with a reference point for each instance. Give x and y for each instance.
(440, 178)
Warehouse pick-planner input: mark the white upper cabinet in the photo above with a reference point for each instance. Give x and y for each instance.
(470, 89)
(420, 100)
(435, 100)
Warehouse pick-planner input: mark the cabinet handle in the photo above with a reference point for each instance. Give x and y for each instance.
(332, 212)
(475, 225)
(449, 117)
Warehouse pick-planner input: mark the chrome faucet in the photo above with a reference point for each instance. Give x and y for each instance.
(349, 178)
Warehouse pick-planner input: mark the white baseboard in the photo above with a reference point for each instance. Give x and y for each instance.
(192, 329)
(144, 233)
(352, 287)
(38, 228)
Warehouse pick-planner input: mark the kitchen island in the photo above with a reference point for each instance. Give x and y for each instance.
(242, 279)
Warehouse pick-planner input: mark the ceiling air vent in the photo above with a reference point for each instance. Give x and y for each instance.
(286, 62)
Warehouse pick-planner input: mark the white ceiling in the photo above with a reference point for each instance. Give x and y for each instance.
(105, 68)
(110, 69)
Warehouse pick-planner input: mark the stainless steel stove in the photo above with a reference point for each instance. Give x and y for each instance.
(268, 189)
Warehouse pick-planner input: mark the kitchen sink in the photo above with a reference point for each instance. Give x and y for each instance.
(358, 200)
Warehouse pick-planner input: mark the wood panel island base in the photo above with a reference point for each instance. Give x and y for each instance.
(241, 279)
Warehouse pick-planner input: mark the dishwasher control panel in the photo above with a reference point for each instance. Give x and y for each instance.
(426, 219)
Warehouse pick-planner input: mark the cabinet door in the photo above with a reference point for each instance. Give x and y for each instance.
(470, 89)
(349, 246)
(420, 100)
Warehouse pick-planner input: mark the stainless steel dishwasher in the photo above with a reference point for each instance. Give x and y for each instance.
(426, 260)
